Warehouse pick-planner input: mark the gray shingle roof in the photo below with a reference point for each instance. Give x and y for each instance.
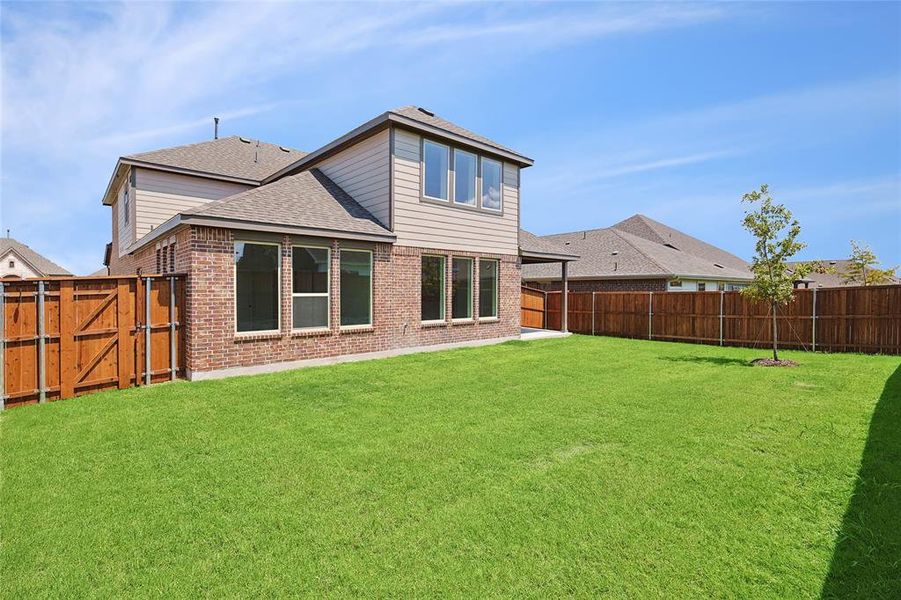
(43, 265)
(613, 253)
(308, 200)
(416, 113)
(531, 244)
(230, 156)
(831, 280)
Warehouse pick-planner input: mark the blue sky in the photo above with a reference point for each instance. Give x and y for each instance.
(671, 110)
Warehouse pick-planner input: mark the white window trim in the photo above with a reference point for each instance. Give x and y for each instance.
(481, 205)
(235, 291)
(443, 319)
(371, 289)
(452, 167)
(472, 289)
(497, 289)
(327, 293)
(447, 175)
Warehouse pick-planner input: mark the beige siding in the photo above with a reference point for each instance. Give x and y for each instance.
(160, 195)
(363, 172)
(429, 225)
(126, 231)
(19, 268)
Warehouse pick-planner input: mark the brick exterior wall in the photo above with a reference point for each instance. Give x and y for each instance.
(602, 285)
(207, 255)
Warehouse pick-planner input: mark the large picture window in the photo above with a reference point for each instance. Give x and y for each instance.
(436, 163)
(356, 287)
(256, 286)
(433, 268)
(491, 184)
(310, 287)
(461, 288)
(465, 167)
(488, 297)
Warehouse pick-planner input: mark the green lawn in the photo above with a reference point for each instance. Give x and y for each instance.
(580, 466)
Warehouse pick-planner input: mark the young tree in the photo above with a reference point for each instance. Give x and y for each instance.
(862, 269)
(777, 233)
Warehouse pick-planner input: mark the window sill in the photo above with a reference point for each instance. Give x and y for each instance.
(356, 329)
(457, 322)
(426, 324)
(312, 332)
(488, 319)
(251, 336)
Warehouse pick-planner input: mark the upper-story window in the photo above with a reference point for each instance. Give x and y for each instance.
(436, 163)
(125, 204)
(461, 178)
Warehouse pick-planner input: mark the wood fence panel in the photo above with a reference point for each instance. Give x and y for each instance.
(90, 335)
(533, 308)
(851, 319)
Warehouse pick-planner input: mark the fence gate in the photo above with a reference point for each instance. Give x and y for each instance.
(64, 337)
(534, 308)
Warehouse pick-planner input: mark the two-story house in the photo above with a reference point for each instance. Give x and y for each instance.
(401, 233)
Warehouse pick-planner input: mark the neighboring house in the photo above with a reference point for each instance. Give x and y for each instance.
(640, 254)
(403, 232)
(18, 261)
(834, 277)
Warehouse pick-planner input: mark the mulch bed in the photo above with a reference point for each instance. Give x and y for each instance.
(769, 362)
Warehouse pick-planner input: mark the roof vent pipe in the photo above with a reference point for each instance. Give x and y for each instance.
(215, 128)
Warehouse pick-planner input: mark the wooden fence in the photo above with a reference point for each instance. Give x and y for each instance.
(64, 337)
(848, 319)
(532, 313)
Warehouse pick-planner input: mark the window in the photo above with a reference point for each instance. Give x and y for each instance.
(461, 288)
(465, 165)
(675, 284)
(309, 287)
(435, 159)
(356, 287)
(256, 286)
(12, 264)
(491, 184)
(125, 204)
(702, 287)
(487, 288)
(721, 287)
(433, 268)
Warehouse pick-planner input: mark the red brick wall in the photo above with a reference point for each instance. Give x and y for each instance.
(213, 344)
(603, 285)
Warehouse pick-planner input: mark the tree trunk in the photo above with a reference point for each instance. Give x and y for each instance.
(775, 333)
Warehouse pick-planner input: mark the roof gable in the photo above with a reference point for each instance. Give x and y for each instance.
(37, 262)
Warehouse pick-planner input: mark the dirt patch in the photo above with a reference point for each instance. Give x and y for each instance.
(769, 362)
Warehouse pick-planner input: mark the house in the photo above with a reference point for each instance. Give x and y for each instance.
(640, 254)
(18, 261)
(401, 233)
(832, 276)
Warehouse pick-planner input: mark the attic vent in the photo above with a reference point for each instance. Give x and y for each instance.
(283, 149)
(245, 140)
(718, 266)
(670, 246)
(833, 262)
(426, 112)
(615, 252)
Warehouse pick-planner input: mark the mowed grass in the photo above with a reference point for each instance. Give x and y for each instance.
(580, 466)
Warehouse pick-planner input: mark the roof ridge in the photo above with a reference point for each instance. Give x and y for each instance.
(637, 249)
(190, 145)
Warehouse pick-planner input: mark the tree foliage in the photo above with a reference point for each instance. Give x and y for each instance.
(776, 233)
(863, 267)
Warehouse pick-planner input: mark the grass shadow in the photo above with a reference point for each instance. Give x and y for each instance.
(866, 562)
(713, 360)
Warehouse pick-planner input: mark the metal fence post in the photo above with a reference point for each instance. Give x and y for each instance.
(813, 322)
(42, 367)
(172, 328)
(650, 314)
(722, 316)
(147, 330)
(2, 346)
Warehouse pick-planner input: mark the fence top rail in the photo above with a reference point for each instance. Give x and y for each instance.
(88, 277)
(533, 290)
(891, 286)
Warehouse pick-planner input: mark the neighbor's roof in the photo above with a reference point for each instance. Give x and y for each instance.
(534, 247)
(413, 117)
(307, 202)
(42, 265)
(832, 280)
(649, 250)
(235, 157)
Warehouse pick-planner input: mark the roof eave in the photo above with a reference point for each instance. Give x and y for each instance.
(387, 118)
(547, 256)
